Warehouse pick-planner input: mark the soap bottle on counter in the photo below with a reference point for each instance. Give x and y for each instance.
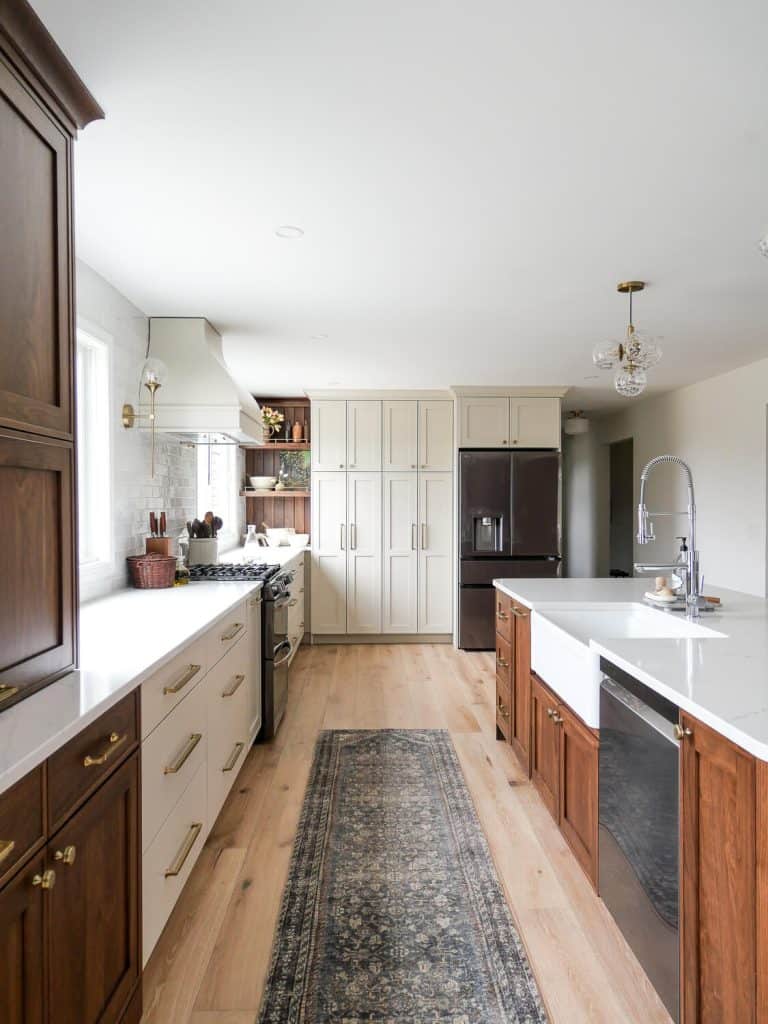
(677, 579)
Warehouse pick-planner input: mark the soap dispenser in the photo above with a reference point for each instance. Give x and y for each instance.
(678, 578)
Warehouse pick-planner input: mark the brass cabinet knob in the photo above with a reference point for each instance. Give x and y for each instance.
(682, 733)
(557, 719)
(67, 855)
(550, 712)
(46, 881)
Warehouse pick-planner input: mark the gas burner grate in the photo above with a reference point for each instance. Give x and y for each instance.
(236, 573)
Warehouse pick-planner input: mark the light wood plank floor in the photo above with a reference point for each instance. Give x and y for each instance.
(210, 964)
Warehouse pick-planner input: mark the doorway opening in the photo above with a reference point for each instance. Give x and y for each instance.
(622, 507)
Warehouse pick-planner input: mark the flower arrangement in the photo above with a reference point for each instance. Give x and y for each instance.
(272, 419)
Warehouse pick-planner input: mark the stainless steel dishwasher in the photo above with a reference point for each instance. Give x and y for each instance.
(639, 824)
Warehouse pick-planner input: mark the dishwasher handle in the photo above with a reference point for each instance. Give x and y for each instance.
(668, 730)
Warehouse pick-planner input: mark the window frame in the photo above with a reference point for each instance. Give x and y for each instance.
(101, 567)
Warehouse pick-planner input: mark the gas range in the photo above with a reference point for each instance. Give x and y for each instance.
(247, 572)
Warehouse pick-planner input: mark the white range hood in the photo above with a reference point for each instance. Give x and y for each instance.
(199, 398)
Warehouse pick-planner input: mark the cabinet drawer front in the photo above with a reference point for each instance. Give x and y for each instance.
(172, 683)
(226, 633)
(171, 856)
(504, 705)
(503, 659)
(89, 757)
(169, 759)
(504, 617)
(228, 723)
(21, 820)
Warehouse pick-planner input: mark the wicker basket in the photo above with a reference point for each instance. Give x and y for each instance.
(152, 571)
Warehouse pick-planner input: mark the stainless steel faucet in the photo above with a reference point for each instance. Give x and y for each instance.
(693, 599)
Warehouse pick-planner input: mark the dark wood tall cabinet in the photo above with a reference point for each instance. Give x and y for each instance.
(42, 105)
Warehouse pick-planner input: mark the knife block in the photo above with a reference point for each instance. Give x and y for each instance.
(161, 545)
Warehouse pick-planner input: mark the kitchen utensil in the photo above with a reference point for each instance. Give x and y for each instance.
(163, 524)
(263, 483)
(152, 524)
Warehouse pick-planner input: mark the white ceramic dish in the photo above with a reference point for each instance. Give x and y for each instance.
(263, 483)
(298, 540)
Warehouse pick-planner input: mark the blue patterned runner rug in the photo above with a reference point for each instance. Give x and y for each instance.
(393, 912)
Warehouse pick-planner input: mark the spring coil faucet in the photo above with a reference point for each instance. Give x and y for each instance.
(645, 534)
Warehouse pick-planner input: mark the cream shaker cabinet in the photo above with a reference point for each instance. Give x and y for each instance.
(400, 449)
(435, 539)
(328, 579)
(504, 422)
(364, 553)
(436, 436)
(364, 435)
(400, 556)
(329, 435)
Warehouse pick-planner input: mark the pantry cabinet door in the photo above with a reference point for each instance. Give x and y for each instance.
(400, 431)
(435, 541)
(329, 435)
(329, 553)
(364, 553)
(364, 435)
(436, 436)
(400, 555)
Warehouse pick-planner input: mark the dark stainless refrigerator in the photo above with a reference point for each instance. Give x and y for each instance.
(509, 521)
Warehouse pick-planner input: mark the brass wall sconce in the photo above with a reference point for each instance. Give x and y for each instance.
(154, 374)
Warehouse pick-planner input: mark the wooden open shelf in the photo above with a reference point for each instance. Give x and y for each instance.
(274, 494)
(278, 446)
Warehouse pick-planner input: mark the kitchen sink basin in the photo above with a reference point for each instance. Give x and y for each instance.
(560, 652)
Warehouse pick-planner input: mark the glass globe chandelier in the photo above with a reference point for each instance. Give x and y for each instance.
(632, 356)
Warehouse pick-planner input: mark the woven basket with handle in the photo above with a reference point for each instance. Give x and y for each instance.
(152, 571)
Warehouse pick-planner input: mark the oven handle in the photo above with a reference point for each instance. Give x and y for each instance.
(281, 647)
(281, 601)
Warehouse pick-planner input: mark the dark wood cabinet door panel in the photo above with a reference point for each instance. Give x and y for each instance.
(503, 707)
(22, 823)
(35, 265)
(80, 765)
(545, 744)
(93, 910)
(718, 895)
(21, 948)
(521, 685)
(579, 757)
(37, 567)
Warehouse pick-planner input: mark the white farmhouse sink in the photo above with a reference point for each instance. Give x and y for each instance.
(560, 652)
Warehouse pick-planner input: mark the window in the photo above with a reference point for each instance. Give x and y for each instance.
(217, 489)
(93, 458)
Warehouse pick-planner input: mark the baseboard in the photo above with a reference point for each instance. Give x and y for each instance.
(382, 638)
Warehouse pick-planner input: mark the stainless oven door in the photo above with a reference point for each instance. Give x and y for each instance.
(282, 656)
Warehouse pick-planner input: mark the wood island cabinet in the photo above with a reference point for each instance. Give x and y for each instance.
(21, 947)
(513, 668)
(722, 897)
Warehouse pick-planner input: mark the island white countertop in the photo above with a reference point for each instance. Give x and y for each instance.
(124, 638)
(723, 681)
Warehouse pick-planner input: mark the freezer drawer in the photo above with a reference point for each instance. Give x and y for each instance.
(475, 572)
(477, 618)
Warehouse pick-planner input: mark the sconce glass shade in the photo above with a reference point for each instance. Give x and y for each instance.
(154, 374)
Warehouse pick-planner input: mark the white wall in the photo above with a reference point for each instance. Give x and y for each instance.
(134, 492)
(582, 497)
(719, 428)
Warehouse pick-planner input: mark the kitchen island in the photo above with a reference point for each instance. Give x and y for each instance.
(664, 803)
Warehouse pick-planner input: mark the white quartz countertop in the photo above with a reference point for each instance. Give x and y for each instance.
(723, 681)
(124, 638)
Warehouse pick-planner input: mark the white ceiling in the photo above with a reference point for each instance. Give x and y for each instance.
(472, 179)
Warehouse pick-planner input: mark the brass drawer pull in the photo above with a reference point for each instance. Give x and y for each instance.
(519, 614)
(6, 692)
(181, 857)
(502, 708)
(550, 712)
(7, 846)
(293, 602)
(115, 741)
(225, 637)
(502, 615)
(45, 881)
(557, 719)
(502, 662)
(183, 680)
(66, 856)
(233, 757)
(682, 733)
(178, 764)
(237, 683)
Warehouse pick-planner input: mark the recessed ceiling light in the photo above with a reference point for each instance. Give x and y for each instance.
(289, 231)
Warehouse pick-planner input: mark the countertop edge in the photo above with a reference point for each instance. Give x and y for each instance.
(35, 757)
(727, 729)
